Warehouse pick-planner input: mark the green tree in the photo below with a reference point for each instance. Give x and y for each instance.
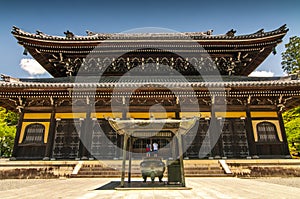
(291, 57)
(291, 120)
(8, 122)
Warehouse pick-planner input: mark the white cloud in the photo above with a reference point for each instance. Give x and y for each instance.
(261, 74)
(32, 67)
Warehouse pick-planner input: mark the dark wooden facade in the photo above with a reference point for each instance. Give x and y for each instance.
(66, 117)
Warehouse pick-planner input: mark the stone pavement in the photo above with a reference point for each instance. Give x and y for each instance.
(85, 188)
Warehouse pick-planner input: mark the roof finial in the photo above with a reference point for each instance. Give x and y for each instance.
(15, 29)
(282, 28)
(90, 33)
(69, 34)
(231, 33)
(261, 31)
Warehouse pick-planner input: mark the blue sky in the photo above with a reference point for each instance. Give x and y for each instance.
(55, 17)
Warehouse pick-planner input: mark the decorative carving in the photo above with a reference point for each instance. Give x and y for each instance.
(40, 33)
(263, 101)
(151, 101)
(103, 102)
(231, 33)
(70, 65)
(64, 102)
(282, 28)
(261, 31)
(287, 99)
(79, 102)
(203, 101)
(234, 101)
(232, 64)
(220, 100)
(90, 33)
(39, 102)
(69, 34)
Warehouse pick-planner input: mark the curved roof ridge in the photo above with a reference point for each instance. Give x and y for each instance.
(195, 35)
(111, 84)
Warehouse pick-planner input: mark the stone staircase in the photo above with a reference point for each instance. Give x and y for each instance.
(265, 167)
(106, 169)
(192, 168)
(204, 168)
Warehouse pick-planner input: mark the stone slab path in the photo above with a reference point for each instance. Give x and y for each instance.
(86, 188)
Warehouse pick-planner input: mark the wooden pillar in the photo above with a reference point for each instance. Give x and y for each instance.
(285, 146)
(173, 145)
(129, 163)
(179, 138)
(124, 116)
(249, 132)
(124, 160)
(16, 141)
(51, 134)
(215, 132)
(86, 135)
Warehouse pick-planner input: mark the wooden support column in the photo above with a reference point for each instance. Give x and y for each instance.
(249, 132)
(285, 149)
(86, 135)
(124, 116)
(16, 141)
(130, 156)
(51, 134)
(124, 160)
(179, 138)
(174, 144)
(215, 132)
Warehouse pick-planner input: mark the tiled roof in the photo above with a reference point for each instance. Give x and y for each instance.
(155, 81)
(171, 35)
(118, 53)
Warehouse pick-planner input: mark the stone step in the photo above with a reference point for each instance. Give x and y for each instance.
(203, 168)
(208, 175)
(113, 169)
(139, 175)
(105, 173)
(100, 176)
(109, 169)
(203, 171)
(118, 174)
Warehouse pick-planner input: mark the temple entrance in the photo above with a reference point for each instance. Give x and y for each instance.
(66, 142)
(162, 138)
(234, 139)
(232, 142)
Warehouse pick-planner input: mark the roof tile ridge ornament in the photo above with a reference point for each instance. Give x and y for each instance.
(259, 32)
(69, 34)
(41, 34)
(17, 30)
(196, 35)
(205, 33)
(283, 28)
(94, 34)
(7, 78)
(231, 33)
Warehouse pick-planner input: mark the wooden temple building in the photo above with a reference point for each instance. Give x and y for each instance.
(150, 76)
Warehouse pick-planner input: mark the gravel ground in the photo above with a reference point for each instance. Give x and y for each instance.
(292, 181)
(8, 184)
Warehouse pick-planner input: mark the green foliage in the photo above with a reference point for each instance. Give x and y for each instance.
(8, 122)
(291, 120)
(291, 57)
